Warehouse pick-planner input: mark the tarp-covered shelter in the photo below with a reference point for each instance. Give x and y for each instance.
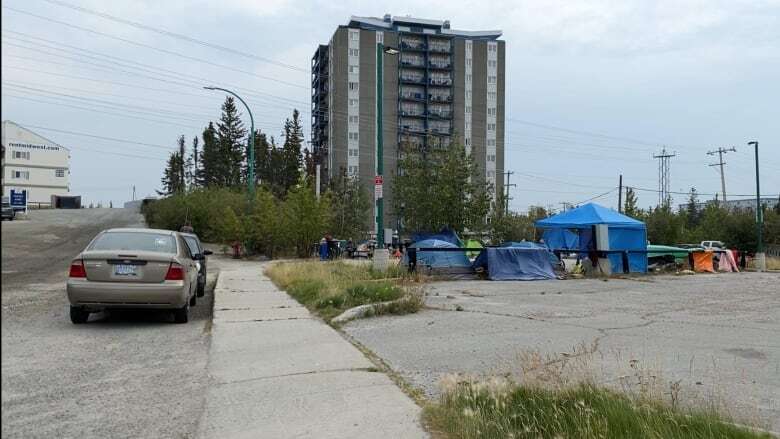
(679, 255)
(625, 234)
(516, 263)
(440, 259)
(528, 244)
(702, 261)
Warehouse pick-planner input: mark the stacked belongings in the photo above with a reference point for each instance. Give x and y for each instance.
(702, 261)
(516, 263)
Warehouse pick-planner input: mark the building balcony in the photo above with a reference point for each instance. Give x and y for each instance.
(412, 129)
(412, 46)
(407, 113)
(439, 49)
(413, 64)
(440, 82)
(412, 80)
(417, 97)
(440, 131)
(439, 98)
(440, 114)
(439, 66)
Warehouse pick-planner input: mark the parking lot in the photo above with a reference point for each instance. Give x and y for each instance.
(718, 335)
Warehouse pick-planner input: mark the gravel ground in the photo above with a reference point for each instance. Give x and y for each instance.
(125, 374)
(718, 334)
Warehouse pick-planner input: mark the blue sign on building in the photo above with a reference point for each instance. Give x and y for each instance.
(19, 199)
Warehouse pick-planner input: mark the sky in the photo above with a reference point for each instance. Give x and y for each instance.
(594, 89)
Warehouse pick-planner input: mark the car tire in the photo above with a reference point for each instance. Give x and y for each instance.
(201, 288)
(78, 315)
(182, 315)
(193, 299)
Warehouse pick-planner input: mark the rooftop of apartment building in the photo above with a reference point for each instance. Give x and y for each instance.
(419, 25)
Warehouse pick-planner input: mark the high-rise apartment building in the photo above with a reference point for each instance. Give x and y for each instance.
(443, 85)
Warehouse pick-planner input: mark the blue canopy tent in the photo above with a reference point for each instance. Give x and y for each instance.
(446, 234)
(516, 262)
(625, 234)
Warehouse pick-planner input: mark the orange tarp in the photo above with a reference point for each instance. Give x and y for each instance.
(702, 262)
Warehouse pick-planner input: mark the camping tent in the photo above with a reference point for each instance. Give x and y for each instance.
(528, 244)
(446, 234)
(625, 234)
(516, 263)
(473, 243)
(440, 259)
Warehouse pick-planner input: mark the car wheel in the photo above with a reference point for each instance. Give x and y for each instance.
(201, 288)
(78, 315)
(193, 299)
(182, 315)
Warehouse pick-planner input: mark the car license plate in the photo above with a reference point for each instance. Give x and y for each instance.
(124, 270)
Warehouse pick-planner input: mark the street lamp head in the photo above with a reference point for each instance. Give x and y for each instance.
(210, 88)
(753, 143)
(391, 51)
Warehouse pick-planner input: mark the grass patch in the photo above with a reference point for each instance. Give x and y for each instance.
(330, 288)
(501, 409)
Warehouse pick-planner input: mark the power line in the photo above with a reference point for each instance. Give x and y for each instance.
(173, 34)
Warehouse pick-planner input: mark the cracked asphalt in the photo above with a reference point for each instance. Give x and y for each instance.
(124, 374)
(718, 335)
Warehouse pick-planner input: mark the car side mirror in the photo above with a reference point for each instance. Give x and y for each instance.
(198, 257)
(207, 252)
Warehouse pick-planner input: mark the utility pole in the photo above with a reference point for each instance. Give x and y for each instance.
(506, 189)
(664, 178)
(133, 192)
(720, 152)
(620, 194)
(760, 256)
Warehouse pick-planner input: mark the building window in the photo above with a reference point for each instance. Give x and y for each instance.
(468, 109)
(22, 155)
(353, 119)
(353, 136)
(59, 173)
(354, 52)
(354, 69)
(491, 157)
(352, 170)
(353, 102)
(491, 142)
(354, 36)
(353, 152)
(22, 175)
(468, 141)
(491, 127)
(353, 86)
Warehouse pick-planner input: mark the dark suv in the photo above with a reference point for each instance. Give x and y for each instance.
(199, 254)
(8, 212)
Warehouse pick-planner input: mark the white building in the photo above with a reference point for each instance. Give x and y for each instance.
(33, 163)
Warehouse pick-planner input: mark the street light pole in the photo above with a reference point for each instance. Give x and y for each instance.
(760, 257)
(250, 144)
(381, 50)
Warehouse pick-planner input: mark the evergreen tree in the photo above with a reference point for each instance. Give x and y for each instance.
(172, 180)
(693, 213)
(630, 207)
(230, 138)
(182, 164)
(290, 170)
(305, 218)
(193, 171)
(262, 158)
(211, 166)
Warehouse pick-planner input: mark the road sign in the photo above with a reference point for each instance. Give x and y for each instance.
(378, 180)
(378, 191)
(19, 199)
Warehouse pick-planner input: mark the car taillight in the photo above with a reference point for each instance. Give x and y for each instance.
(175, 272)
(77, 269)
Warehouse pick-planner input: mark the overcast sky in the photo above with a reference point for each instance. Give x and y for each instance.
(593, 88)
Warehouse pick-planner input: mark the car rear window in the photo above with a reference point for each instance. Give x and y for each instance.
(192, 243)
(138, 241)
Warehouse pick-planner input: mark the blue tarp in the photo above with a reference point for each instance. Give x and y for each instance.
(516, 263)
(625, 233)
(532, 245)
(440, 259)
(446, 235)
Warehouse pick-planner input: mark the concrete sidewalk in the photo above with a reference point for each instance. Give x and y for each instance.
(278, 372)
